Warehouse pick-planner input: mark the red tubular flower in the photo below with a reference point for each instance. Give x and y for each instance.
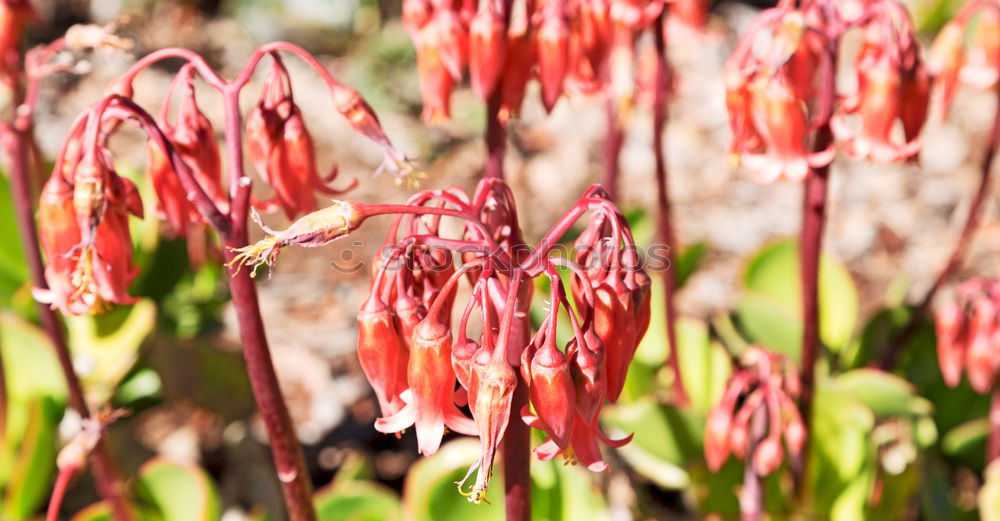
(487, 50)
(982, 356)
(551, 389)
(616, 327)
(491, 388)
(521, 53)
(430, 404)
(171, 198)
(436, 82)
(781, 121)
(589, 375)
(552, 38)
(194, 140)
(382, 354)
(583, 446)
(59, 235)
(951, 342)
(880, 106)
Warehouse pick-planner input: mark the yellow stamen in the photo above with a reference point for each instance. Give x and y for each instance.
(253, 255)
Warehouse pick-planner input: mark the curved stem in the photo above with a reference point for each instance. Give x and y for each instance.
(187, 55)
(898, 343)
(58, 493)
(665, 224)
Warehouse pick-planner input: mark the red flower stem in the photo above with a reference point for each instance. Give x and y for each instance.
(516, 452)
(813, 214)
(664, 220)
(106, 479)
(613, 140)
(285, 449)
(58, 493)
(516, 446)
(496, 137)
(898, 344)
(752, 495)
(993, 444)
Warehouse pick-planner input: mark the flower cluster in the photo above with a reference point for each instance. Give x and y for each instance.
(415, 356)
(766, 384)
(83, 222)
(968, 330)
(85, 204)
(577, 46)
(956, 56)
(776, 105)
(282, 149)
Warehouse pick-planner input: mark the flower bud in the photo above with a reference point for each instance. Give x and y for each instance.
(588, 372)
(717, 434)
(951, 342)
(552, 392)
(981, 359)
(768, 455)
(552, 38)
(382, 355)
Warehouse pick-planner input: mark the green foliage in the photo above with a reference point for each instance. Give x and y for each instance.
(178, 492)
(559, 492)
(36, 394)
(770, 310)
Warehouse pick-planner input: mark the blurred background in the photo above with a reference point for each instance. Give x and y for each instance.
(173, 359)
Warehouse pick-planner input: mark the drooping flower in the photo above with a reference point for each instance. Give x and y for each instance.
(765, 384)
(86, 238)
(282, 149)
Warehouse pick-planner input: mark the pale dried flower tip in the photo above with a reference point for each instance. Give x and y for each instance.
(82, 37)
(404, 170)
(315, 229)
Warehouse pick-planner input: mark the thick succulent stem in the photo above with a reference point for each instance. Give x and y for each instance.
(664, 220)
(288, 459)
(106, 478)
(810, 245)
(516, 451)
(898, 343)
(496, 137)
(614, 137)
